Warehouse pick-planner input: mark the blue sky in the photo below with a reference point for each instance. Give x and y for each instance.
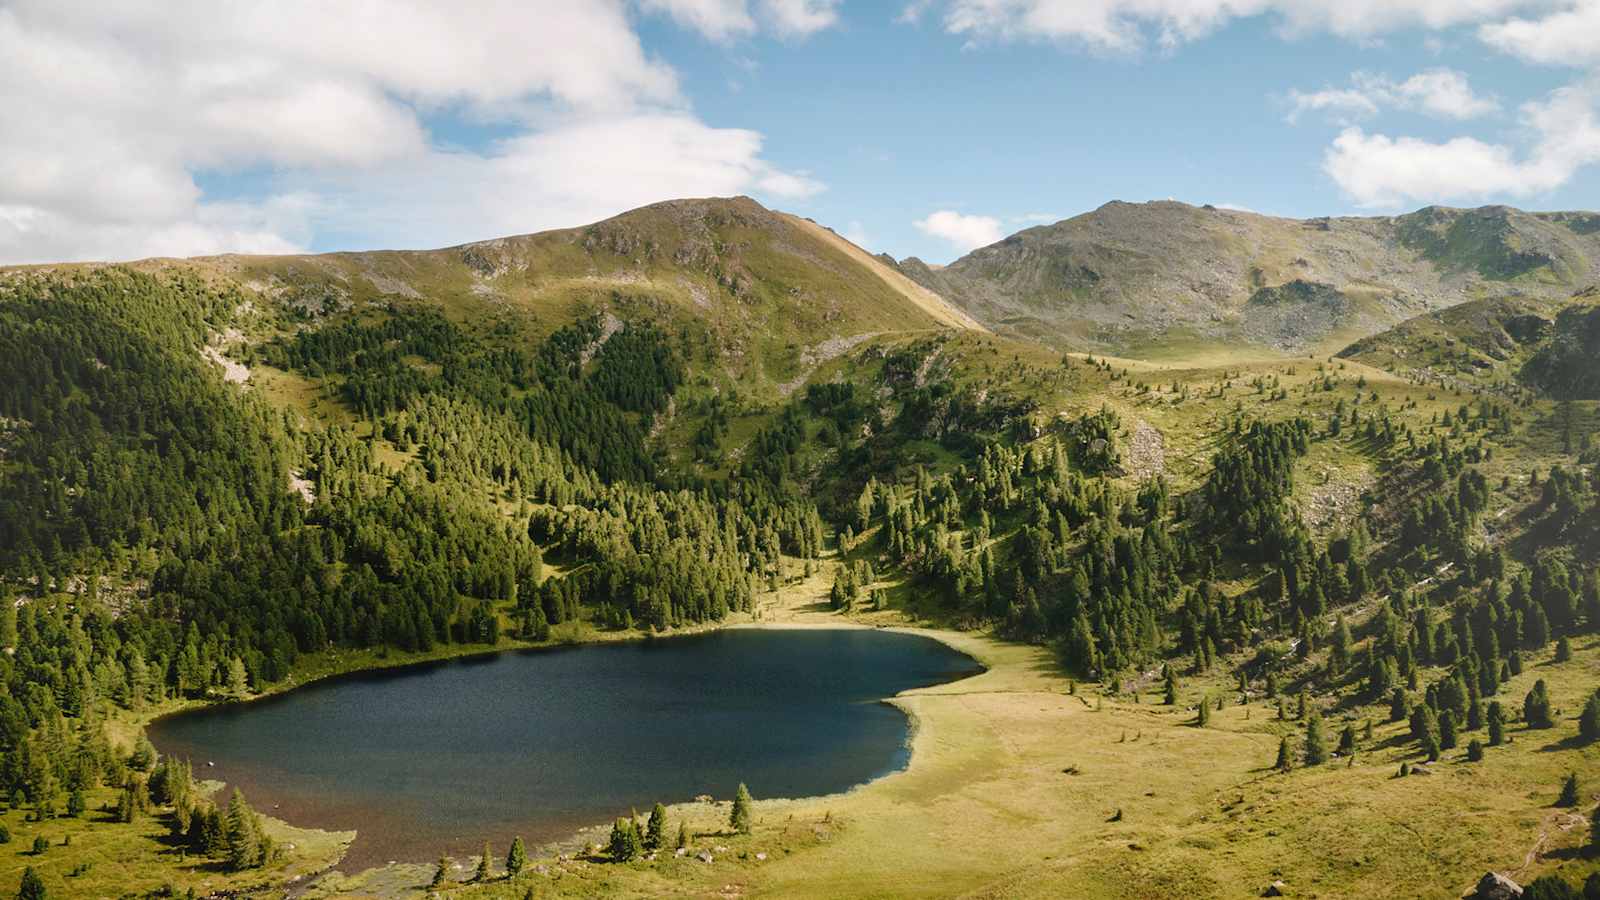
(921, 130)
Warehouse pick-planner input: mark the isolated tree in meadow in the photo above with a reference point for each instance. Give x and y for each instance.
(1563, 650)
(655, 832)
(1474, 750)
(517, 859)
(1569, 791)
(1285, 755)
(440, 874)
(1170, 694)
(1203, 715)
(739, 818)
(483, 865)
(1536, 707)
(1497, 724)
(1316, 742)
(1347, 740)
(683, 835)
(1589, 719)
(32, 886)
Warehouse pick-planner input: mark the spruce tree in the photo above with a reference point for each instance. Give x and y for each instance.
(439, 874)
(655, 832)
(483, 865)
(1497, 724)
(1170, 695)
(242, 834)
(1316, 743)
(1474, 750)
(1203, 714)
(517, 859)
(1347, 740)
(32, 886)
(1447, 730)
(739, 817)
(624, 845)
(1285, 755)
(1536, 707)
(1589, 719)
(1569, 791)
(683, 835)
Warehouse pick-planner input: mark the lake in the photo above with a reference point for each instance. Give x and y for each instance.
(440, 757)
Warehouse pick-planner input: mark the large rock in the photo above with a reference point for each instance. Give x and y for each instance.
(1494, 886)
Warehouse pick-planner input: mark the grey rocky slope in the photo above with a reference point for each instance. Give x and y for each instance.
(1131, 274)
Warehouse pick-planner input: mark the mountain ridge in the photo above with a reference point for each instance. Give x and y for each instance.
(1127, 273)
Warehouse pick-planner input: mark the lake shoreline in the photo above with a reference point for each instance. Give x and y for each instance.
(386, 665)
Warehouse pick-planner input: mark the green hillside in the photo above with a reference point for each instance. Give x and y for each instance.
(221, 478)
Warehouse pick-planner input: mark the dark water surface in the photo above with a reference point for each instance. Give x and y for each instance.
(439, 758)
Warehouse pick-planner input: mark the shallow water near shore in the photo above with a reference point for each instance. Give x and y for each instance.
(436, 759)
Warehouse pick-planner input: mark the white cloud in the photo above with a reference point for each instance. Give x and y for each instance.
(802, 18)
(964, 231)
(1440, 92)
(112, 112)
(1380, 171)
(1343, 103)
(716, 19)
(1129, 25)
(1567, 37)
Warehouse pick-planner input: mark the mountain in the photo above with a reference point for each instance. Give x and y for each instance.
(1545, 345)
(1133, 275)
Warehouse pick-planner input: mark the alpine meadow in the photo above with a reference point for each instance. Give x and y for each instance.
(680, 546)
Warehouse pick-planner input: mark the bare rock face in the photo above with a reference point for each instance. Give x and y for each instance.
(1494, 886)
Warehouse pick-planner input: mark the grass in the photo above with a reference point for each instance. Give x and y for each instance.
(1023, 784)
(108, 858)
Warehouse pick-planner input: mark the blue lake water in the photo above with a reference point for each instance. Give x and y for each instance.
(439, 758)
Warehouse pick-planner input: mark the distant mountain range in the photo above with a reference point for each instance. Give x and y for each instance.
(1131, 275)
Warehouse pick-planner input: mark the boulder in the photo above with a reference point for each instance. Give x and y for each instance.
(1274, 889)
(1494, 886)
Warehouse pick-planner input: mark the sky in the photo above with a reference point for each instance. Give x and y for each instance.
(913, 127)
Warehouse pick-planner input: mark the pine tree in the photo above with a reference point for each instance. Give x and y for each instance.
(1285, 755)
(1203, 714)
(655, 831)
(1497, 724)
(739, 817)
(238, 682)
(483, 865)
(242, 834)
(683, 835)
(1170, 695)
(1563, 650)
(440, 874)
(1589, 719)
(1474, 750)
(624, 845)
(1316, 743)
(517, 859)
(1447, 730)
(1536, 707)
(1347, 740)
(1569, 791)
(32, 886)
